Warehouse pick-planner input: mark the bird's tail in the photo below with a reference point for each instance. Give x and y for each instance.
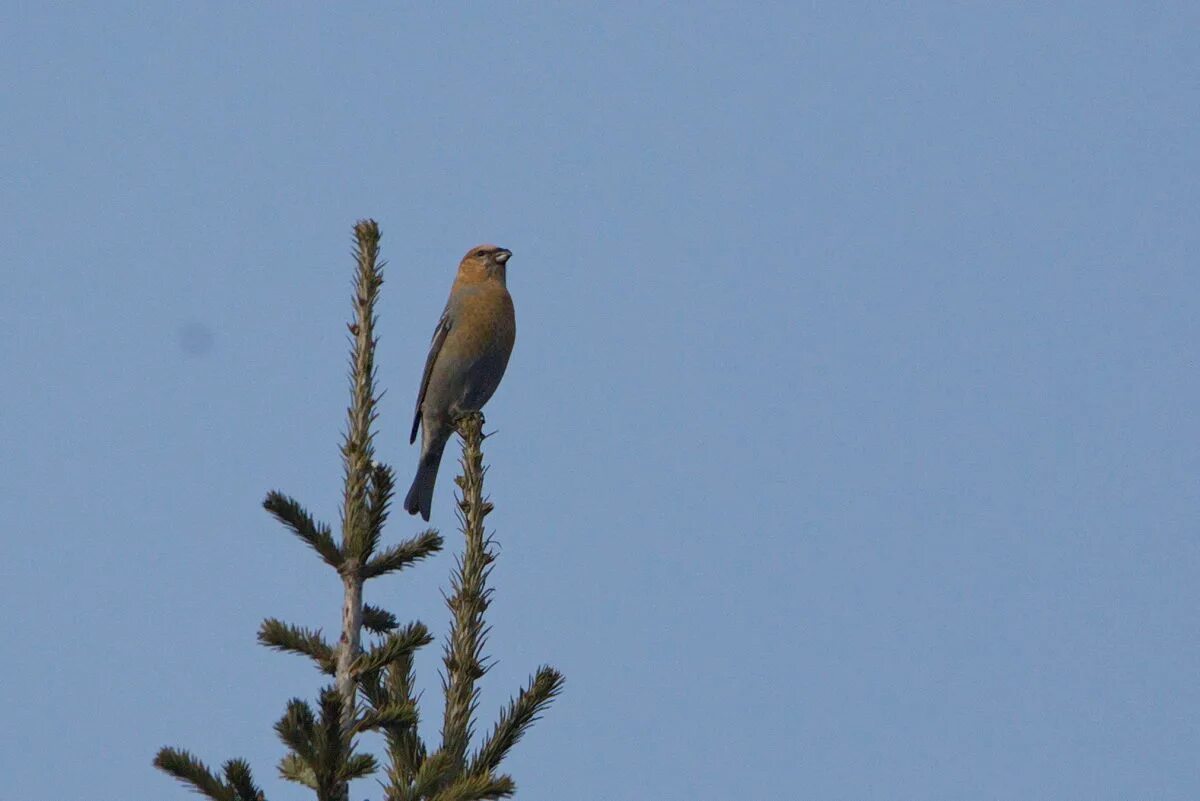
(420, 494)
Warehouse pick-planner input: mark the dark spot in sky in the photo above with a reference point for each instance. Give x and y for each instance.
(195, 338)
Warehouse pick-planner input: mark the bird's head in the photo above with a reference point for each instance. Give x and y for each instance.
(483, 262)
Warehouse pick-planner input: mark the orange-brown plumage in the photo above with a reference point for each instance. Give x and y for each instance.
(467, 359)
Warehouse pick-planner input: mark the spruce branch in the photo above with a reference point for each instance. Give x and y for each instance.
(281, 636)
(378, 621)
(295, 769)
(239, 777)
(406, 750)
(338, 764)
(373, 690)
(434, 773)
(469, 600)
(322, 753)
(397, 646)
(392, 717)
(398, 557)
(191, 771)
(520, 714)
(379, 499)
(358, 450)
(296, 729)
(477, 788)
(316, 535)
(365, 482)
(358, 766)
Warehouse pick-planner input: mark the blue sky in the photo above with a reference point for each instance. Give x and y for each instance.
(849, 445)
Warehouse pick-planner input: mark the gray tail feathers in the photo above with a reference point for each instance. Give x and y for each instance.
(420, 495)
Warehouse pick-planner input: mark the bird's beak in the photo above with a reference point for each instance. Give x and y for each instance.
(503, 255)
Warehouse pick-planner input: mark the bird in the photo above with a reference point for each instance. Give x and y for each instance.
(467, 358)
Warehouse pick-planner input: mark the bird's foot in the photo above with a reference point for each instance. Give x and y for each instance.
(466, 422)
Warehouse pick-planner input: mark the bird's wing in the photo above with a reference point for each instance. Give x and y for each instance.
(439, 337)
